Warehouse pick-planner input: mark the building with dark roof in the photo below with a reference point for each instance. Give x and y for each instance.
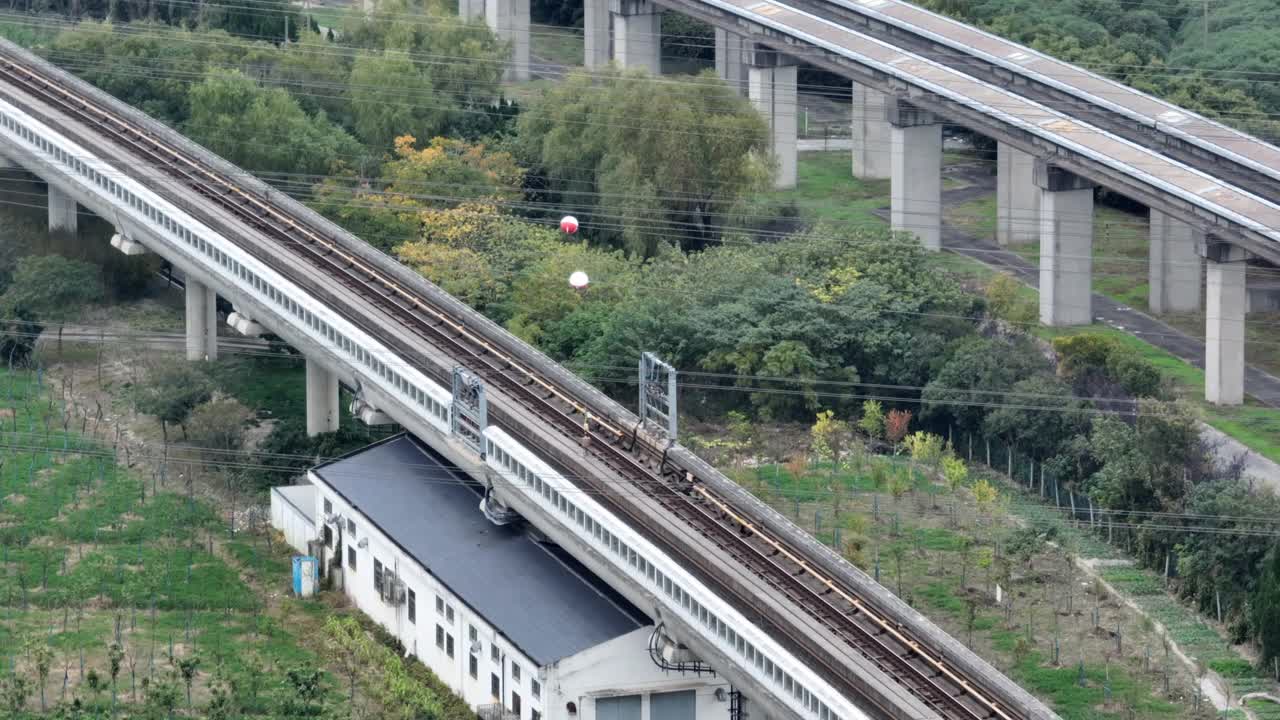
(514, 624)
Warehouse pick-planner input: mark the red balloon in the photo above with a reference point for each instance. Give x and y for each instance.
(569, 224)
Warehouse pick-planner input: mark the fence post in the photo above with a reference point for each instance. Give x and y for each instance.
(1009, 462)
(970, 447)
(988, 451)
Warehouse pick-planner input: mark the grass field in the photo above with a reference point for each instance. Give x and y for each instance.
(826, 191)
(944, 554)
(95, 559)
(559, 45)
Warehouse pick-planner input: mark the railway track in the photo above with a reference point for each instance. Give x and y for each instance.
(851, 619)
(1077, 94)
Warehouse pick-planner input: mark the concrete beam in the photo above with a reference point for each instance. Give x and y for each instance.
(322, 399)
(637, 35)
(915, 164)
(1017, 198)
(772, 90)
(1224, 329)
(127, 246)
(871, 154)
(368, 414)
(730, 66)
(244, 325)
(509, 20)
(595, 28)
(202, 321)
(1066, 246)
(1174, 265)
(62, 211)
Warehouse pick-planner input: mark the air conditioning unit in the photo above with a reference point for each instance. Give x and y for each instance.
(392, 590)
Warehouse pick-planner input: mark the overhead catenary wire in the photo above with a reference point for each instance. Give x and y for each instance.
(650, 80)
(228, 461)
(686, 41)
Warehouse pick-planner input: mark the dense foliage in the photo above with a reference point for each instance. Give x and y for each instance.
(647, 164)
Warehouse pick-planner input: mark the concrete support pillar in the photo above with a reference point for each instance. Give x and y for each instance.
(730, 66)
(771, 87)
(1224, 325)
(1017, 197)
(322, 399)
(62, 211)
(915, 164)
(509, 20)
(595, 28)
(1174, 265)
(637, 35)
(870, 134)
(1066, 246)
(202, 321)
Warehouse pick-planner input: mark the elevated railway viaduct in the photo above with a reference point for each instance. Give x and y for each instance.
(799, 631)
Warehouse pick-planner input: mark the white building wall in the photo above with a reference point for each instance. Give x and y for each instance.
(297, 528)
(622, 667)
(496, 656)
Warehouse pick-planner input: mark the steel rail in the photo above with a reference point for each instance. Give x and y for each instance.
(349, 268)
(1190, 138)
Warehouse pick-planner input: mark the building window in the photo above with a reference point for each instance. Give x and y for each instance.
(515, 673)
(328, 536)
(495, 687)
(351, 558)
(413, 607)
(515, 703)
(377, 574)
(535, 715)
(493, 653)
(448, 645)
(448, 614)
(536, 688)
(472, 635)
(440, 636)
(473, 666)
(328, 506)
(351, 527)
(439, 605)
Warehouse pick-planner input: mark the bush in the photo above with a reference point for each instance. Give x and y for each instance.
(1094, 354)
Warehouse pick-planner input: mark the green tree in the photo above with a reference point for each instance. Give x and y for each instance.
(51, 288)
(1265, 607)
(263, 129)
(1039, 415)
(632, 154)
(926, 450)
(171, 390)
(217, 427)
(392, 95)
(872, 420)
(40, 654)
(976, 374)
(14, 689)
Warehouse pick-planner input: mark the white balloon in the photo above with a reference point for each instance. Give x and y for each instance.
(579, 280)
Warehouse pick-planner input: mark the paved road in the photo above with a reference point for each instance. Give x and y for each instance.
(1261, 385)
